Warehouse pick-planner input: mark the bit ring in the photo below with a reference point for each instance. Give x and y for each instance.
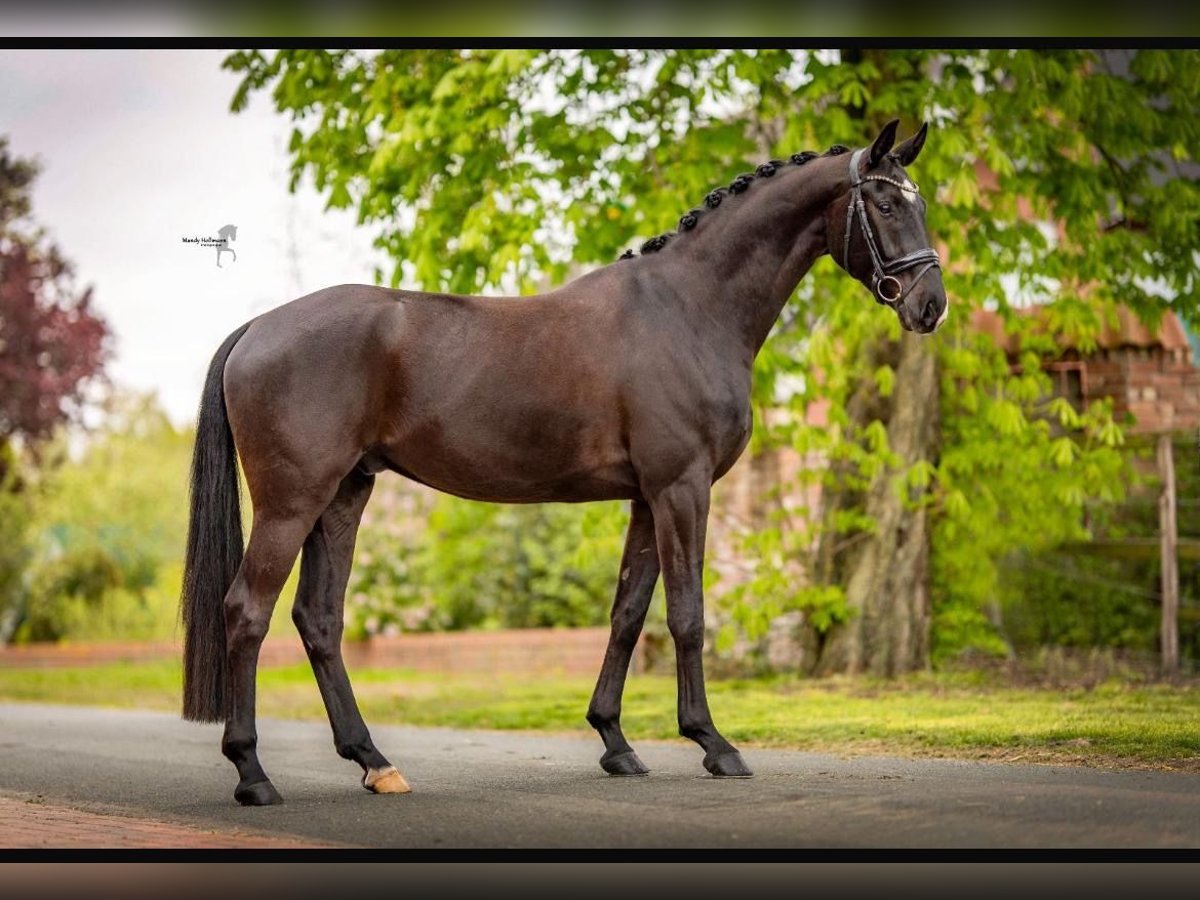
(899, 289)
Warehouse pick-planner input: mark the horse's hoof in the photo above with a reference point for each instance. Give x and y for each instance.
(385, 781)
(261, 793)
(623, 763)
(728, 765)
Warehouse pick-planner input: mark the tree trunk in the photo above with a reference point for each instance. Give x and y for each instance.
(885, 572)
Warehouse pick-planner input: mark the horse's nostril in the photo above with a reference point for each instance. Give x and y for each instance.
(929, 314)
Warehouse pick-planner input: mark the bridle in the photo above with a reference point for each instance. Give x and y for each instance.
(884, 269)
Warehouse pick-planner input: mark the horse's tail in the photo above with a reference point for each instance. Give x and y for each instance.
(214, 548)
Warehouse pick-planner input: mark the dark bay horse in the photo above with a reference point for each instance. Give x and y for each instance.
(631, 382)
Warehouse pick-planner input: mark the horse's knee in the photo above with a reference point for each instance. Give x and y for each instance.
(687, 631)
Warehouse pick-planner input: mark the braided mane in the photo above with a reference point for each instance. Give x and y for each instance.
(739, 185)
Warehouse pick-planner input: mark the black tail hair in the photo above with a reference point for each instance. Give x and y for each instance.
(214, 549)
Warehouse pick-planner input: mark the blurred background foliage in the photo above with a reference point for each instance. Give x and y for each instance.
(109, 522)
(1054, 177)
(478, 565)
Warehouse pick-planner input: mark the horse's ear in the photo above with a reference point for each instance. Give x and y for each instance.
(884, 142)
(907, 152)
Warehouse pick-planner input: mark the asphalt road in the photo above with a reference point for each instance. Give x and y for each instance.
(489, 789)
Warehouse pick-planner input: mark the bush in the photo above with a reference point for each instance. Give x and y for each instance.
(108, 531)
(477, 565)
(1067, 599)
(1108, 597)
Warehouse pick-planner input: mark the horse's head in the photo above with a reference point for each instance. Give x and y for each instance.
(876, 232)
(228, 233)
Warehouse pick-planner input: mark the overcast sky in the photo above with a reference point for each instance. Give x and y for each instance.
(138, 150)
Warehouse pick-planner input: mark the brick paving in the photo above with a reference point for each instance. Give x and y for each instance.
(33, 823)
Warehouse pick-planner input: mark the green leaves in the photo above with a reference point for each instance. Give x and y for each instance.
(854, 93)
(1006, 417)
(399, 128)
(885, 380)
(956, 505)
(963, 190)
(1063, 451)
(1061, 409)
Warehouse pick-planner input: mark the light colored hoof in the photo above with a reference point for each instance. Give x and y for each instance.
(385, 781)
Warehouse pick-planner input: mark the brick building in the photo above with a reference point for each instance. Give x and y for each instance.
(1151, 375)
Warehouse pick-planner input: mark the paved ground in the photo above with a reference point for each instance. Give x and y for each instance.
(487, 789)
(29, 822)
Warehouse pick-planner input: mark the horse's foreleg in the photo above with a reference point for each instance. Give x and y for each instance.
(319, 615)
(635, 586)
(270, 554)
(680, 523)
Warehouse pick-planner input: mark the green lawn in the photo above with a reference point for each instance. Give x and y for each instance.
(966, 716)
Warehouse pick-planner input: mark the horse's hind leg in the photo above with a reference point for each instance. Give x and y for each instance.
(270, 553)
(319, 616)
(635, 586)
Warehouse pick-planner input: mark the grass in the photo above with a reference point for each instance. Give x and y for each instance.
(952, 715)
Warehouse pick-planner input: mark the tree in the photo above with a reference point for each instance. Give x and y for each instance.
(494, 170)
(53, 343)
(52, 346)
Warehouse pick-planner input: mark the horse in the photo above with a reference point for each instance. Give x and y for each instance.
(631, 382)
(226, 234)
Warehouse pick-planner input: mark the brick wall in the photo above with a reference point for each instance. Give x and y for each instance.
(1159, 388)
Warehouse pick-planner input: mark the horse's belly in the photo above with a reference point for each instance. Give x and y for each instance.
(496, 490)
(504, 471)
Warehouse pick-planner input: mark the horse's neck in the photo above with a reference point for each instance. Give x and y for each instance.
(754, 255)
(761, 292)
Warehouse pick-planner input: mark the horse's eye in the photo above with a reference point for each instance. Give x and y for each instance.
(885, 207)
